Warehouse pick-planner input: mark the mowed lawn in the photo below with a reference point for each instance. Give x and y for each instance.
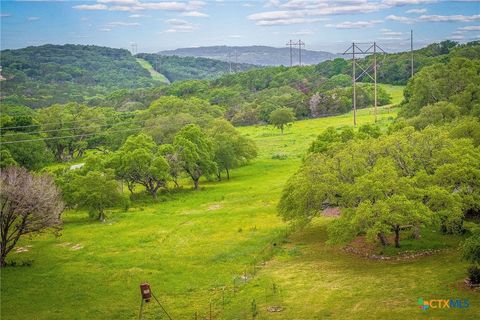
(194, 247)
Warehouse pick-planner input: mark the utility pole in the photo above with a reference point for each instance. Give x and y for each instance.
(229, 57)
(300, 44)
(375, 77)
(236, 61)
(354, 79)
(290, 44)
(355, 51)
(411, 51)
(134, 48)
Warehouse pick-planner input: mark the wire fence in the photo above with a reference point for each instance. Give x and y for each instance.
(231, 300)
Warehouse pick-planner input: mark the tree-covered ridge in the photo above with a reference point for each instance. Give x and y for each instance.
(177, 68)
(395, 68)
(40, 76)
(257, 55)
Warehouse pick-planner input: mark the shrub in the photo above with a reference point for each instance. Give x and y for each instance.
(474, 274)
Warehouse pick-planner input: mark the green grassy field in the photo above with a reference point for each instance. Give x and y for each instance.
(396, 92)
(224, 249)
(154, 73)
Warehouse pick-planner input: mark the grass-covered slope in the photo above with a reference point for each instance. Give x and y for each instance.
(154, 73)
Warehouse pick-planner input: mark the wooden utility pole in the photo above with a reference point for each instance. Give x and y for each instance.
(354, 80)
(290, 44)
(411, 51)
(300, 44)
(375, 77)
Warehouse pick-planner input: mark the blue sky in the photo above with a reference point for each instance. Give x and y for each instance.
(328, 25)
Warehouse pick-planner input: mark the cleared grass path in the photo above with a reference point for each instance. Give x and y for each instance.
(154, 73)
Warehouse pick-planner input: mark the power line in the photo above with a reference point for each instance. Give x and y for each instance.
(300, 44)
(74, 128)
(411, 51)
(76, 135)
(354, 50)
(290, 44)
(47, 124)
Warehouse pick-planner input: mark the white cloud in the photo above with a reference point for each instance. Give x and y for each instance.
(122, 24)
(293, 11)
(388, 32)
(307, 11)
(418, 11)
(453, 18)
(195, 14)
(304, 32)
(395, 3)
(354, 25)
(106, 29)
(470, 28)
(137, 15)
(235, 36)
(122, 2)
(288, 21)
(400, 19)
(91, 7)
(33, 18)
(178, 25)
(136, 5)
(5, 15)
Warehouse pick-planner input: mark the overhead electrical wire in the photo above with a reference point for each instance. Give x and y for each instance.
(65, 129)
(74, 136)
(50, 123)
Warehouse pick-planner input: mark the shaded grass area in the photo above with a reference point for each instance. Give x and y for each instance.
(194, 245)
(316, 281)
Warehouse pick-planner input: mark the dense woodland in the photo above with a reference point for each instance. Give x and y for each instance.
(176, 68)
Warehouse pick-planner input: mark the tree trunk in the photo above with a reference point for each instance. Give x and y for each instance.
(228, 173)
(195, 183)
(416, 232)
(3, 257)
(383, 239)
(397, 236)
(101, 215)
(281, 128)
(153, 193)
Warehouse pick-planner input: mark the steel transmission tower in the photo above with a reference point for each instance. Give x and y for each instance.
(291, 44)
(356, 51)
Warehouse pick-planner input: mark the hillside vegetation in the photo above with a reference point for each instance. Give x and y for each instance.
(257, 55)
(44, 75)
(177, 68)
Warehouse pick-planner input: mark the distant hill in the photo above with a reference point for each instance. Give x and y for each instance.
(43, 75)
(257, 55)
(176, 68)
